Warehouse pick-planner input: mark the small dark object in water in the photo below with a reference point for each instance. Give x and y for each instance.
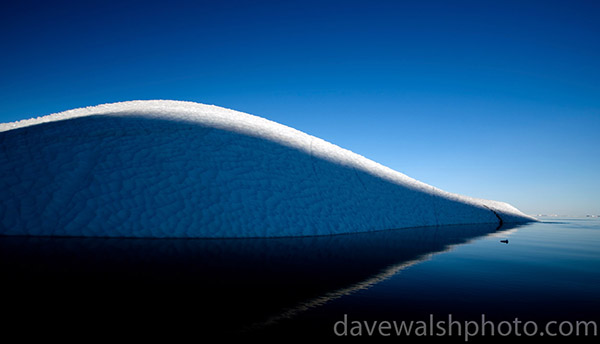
(504, 241)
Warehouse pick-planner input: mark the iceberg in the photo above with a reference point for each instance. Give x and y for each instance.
(173, 169)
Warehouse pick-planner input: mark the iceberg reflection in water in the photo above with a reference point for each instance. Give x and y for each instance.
(208, 285)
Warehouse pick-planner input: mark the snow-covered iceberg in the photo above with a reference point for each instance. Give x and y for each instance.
(180, 169)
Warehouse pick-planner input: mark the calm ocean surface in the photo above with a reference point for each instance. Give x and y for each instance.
(547, 271)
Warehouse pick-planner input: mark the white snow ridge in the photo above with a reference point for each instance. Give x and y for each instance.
(180, 169)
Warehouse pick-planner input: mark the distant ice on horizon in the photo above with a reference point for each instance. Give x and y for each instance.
(180, 169)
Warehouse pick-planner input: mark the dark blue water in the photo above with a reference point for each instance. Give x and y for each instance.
(547, 271)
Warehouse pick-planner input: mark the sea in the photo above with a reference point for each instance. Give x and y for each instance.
(463, 282)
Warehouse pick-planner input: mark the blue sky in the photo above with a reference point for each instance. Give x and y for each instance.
(491, 99)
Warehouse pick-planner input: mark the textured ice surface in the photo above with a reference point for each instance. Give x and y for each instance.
(181, 169)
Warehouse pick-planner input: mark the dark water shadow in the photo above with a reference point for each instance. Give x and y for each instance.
(226, 285)
(206, 285)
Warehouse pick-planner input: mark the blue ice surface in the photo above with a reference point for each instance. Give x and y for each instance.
(180, 169)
